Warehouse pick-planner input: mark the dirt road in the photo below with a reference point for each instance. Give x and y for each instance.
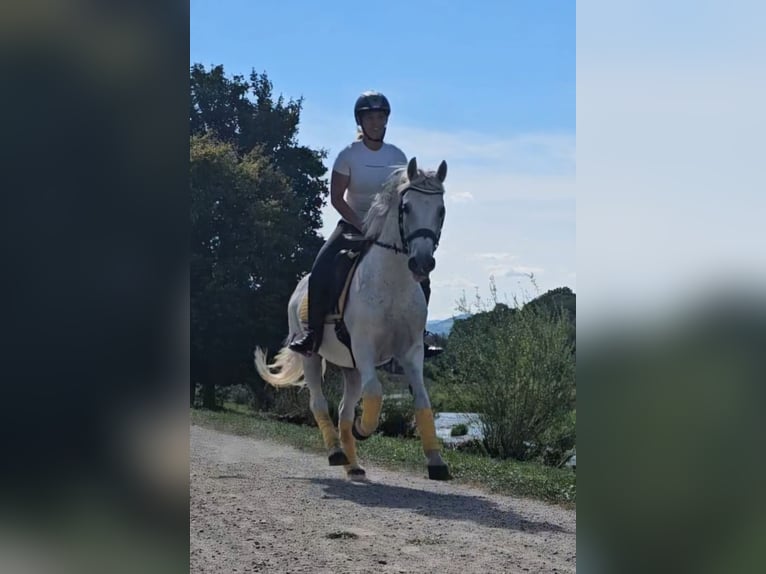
(260, 506)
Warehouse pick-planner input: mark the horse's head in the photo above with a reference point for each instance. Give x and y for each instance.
(421, 216)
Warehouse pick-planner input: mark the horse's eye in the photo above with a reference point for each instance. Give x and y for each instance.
(406, 208)
(441, 212)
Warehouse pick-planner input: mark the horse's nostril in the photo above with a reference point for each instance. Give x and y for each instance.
(412, 264)
(430, 264)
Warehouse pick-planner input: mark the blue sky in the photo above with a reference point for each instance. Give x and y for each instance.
(488, 86)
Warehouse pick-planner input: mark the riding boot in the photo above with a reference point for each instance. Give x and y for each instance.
(311, 339)
(320, 291)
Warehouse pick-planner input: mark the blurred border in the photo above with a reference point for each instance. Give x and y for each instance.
(95, 302)
(672, 305)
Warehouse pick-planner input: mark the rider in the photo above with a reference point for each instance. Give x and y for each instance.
(358, 173)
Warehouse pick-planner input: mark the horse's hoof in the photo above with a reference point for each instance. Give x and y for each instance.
(439, 472)
(337, 458)
(356, 474)
(356, 434)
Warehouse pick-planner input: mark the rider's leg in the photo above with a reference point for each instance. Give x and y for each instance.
(320, 290)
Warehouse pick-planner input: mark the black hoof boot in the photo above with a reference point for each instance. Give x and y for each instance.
(355, 432)
(439, 472)
(356, 474)
(337, 458)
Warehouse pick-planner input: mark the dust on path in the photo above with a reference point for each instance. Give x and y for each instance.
(262, 506)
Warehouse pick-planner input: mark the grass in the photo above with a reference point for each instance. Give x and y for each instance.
(500, 476)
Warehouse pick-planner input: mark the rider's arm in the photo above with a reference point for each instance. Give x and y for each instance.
(338, 185)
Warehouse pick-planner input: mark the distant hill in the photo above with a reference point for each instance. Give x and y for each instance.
(555, 299)
(444, 326)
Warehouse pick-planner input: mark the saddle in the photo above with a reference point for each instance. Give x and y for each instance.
(346, 262)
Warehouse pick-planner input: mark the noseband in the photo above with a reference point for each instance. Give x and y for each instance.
(422, 232)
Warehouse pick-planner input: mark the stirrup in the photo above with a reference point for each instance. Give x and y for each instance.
(304, 345)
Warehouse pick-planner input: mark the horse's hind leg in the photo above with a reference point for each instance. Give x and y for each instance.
(312, 369)
(352, 391)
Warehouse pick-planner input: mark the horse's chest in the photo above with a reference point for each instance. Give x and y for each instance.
(391, 297)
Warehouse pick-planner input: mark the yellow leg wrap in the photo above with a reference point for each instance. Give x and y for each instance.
(347, 441)
(424, 418)
(370, 414)
(328, 430)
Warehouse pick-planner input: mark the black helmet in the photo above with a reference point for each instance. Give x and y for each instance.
(370, 101)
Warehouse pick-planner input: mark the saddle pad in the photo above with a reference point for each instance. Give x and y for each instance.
(303, 310)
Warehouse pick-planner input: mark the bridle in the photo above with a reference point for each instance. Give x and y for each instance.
(422, 232)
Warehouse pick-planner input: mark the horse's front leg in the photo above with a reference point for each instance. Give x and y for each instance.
(412, 364)
(312, 370)
(352, 391)
(372, 393)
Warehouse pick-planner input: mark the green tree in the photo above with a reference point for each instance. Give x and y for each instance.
(256, 197)
(240, 216)
(246, 114)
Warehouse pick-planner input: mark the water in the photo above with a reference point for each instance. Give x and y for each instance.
(445, 421)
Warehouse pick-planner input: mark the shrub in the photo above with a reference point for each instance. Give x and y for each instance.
(397, 417)
(515, 366)
(472, 446)
(558, 441)
(238, 394)
(459, 430)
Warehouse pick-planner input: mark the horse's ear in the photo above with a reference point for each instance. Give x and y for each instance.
(441, 173)
(412, 168)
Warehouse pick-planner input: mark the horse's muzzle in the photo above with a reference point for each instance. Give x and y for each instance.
(421, 265)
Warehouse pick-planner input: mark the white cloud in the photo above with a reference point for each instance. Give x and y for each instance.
(460, 197)
(519, 153)
(523, 271)
(497, 256)
(499, 184)
(482, 168)
(454, 283)
(499, 265)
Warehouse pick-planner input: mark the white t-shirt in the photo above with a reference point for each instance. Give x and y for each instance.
(368, 171)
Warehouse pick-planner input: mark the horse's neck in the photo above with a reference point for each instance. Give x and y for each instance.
(390, 233)
(387, 263)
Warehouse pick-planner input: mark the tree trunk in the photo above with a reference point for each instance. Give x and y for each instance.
(208, 396)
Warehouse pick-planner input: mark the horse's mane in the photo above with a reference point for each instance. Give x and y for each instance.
(388, 197)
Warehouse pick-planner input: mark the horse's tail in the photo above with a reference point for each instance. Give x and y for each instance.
(285, 371)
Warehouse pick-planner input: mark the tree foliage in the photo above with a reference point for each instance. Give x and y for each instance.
(256, 197)
(245, 114)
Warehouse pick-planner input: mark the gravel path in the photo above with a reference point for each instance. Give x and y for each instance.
(261, 506)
